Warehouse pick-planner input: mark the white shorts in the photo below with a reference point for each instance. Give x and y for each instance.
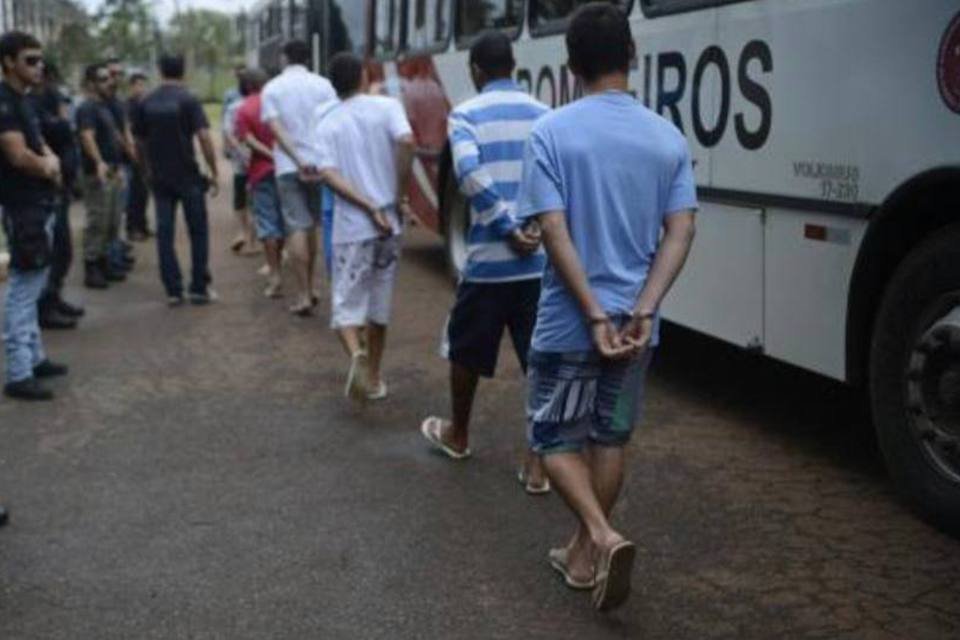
(363, 277)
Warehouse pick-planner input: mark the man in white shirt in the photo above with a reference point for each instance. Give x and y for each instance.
(364, 151)
(289, 101)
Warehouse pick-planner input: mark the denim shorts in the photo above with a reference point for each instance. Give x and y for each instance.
(577, 399)
(267, 214)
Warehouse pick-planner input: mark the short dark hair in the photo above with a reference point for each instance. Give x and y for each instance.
(346, 73)
(493, 53)
(297, 52)
(90, 71)
(599, 41)
(253, 80)
(137, 76)
(172, 66)
(13, 42)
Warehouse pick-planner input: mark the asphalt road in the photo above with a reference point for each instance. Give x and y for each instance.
(201, 476)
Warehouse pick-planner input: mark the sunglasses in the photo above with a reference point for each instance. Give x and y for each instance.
(32, 61)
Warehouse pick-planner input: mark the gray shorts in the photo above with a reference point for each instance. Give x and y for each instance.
(300, 203)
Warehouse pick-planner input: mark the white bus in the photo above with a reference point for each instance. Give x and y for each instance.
(826, 137)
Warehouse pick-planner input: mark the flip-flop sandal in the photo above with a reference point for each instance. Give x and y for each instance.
(430, 428)
(533, 489)
(356, 388)
(380, 393)
(558, 560)
(302, 310)
(237, 244)
(613, 578)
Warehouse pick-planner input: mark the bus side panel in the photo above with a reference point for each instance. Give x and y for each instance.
(809, 263)
(666, 78)
(848, 92)
(720, 291)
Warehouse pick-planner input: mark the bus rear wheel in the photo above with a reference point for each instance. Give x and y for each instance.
(915, 377)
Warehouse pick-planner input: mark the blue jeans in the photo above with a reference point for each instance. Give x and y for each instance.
(193, 199)
(21, 330)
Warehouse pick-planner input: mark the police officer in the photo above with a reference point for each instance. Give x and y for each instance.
(30, 173)
(52, 107)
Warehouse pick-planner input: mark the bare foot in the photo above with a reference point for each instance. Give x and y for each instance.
(454, 440)
(581, 563)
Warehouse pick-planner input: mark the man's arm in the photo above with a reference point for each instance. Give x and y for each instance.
(256, 146)
(88, 142)
(478, 185)
(406, 148)
(14, 147)
(209, 155)
(564, 258)
(283, 139)
(679, 230)
(342, 187)
(128, 145)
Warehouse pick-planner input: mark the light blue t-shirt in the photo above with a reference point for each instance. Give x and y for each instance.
(617, 170)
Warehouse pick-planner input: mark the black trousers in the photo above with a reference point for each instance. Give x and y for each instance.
(137, 197)
(62, 256)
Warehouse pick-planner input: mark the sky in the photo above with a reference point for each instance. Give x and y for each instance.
(165, 8)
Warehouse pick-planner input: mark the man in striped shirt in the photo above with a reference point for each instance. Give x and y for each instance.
(500, 286)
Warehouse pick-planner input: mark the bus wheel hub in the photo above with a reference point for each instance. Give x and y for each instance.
(933, 393)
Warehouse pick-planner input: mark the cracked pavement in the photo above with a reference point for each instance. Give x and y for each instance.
(201, 476)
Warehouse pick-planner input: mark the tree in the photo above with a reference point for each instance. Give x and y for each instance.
(126, 29)
(206, 39)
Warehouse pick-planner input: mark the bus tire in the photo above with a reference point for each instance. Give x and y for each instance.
(915, 378)
(456, 223)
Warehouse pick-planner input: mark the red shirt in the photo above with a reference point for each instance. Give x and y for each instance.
(248, 122)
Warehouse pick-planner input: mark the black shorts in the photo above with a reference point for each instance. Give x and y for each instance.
(480, 314)
(239, 191)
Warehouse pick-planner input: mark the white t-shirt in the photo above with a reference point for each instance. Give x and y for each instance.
(358, 138)
(292, 98)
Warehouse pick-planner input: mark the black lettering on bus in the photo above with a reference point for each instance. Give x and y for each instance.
(566, 78)
(756, 94)
(524, 77)
(647, 64)
(712, 55)
(670, 99)
(546, 74)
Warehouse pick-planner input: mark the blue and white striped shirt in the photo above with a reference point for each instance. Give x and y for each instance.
(487, 136)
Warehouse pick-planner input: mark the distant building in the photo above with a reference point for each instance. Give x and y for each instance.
(41, 18)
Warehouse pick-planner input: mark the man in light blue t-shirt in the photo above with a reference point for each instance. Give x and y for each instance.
(605, 177)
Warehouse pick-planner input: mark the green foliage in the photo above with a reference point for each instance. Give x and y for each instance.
(130, 30)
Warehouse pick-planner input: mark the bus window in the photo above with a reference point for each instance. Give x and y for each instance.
(386, 27)
(428, 24)
(654, 8)
(347, 26)
(474, 17)
(550, 16)
(299, 19)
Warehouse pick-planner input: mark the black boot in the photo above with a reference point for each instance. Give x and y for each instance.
(4, 515)
(51, 318)
(69, 310)
(94, 277)
(28, 389)
(111, 274)
(48, 369)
